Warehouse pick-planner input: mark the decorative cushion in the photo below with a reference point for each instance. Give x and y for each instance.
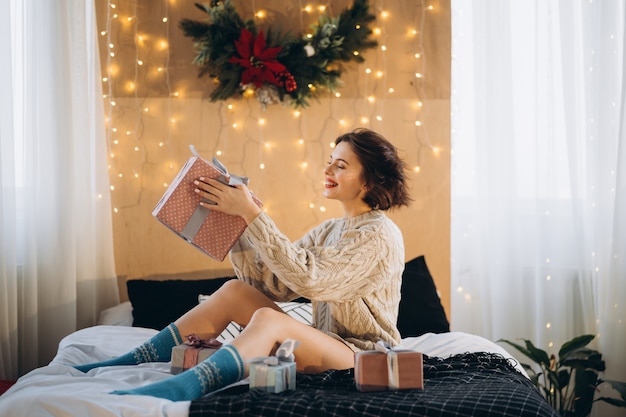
(420, 308)
(158, 303)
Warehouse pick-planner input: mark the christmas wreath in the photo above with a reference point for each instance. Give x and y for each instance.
(276, 67)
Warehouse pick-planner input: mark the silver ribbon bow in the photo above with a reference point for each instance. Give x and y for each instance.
(226, 177)
(393, 371)
(284, 353)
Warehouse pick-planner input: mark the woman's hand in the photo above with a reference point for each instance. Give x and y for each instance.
(236, 200)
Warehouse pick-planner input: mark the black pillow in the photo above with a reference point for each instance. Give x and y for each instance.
(158, 303)
(420, 307)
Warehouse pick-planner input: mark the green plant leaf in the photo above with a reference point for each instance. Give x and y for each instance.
(564, 377)
(585, 359)
(613, 401)
(584, 390)
(538, 355)
(575, 344)
(618, 386)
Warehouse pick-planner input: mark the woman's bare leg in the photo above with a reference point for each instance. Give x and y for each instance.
(266, 327)
(234, 301)
(317, 351)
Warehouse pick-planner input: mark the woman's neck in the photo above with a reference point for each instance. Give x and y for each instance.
(351, 212)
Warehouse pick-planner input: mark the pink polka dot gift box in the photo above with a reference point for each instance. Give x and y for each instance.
(213, 232)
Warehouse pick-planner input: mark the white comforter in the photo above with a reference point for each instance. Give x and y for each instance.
(59, 390)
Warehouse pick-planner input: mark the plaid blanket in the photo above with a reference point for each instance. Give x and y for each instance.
(471, 384)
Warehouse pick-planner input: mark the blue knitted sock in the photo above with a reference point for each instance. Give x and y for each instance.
(157, 349)
(222, 368)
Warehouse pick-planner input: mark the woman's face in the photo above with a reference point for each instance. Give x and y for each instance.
(343, 177)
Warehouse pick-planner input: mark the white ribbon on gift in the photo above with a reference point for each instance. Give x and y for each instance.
(393, 371)
(284, 353)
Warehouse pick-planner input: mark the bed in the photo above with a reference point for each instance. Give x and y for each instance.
(464, 375)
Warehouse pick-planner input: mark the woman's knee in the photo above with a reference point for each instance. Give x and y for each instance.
(232, 288)
(265, 316)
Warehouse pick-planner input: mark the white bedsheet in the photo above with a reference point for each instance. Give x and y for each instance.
(59, 390)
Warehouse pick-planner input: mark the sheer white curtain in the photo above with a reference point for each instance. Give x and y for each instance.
(539, 172)
(56, 260)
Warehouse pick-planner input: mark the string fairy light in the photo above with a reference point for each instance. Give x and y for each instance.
(240, 131)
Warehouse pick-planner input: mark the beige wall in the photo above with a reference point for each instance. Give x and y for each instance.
(157, 108)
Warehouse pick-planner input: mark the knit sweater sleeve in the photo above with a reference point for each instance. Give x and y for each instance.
(330, 263)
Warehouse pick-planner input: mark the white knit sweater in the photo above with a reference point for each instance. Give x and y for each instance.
(350, 269)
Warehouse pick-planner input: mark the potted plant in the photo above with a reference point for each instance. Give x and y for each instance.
(570, 381)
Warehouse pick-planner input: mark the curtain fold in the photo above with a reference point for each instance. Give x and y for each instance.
(57, 263)
(538, 233)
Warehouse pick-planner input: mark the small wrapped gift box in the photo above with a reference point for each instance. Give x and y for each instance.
(211, 231)
(275, 373)
(388, 369)
(192, 352)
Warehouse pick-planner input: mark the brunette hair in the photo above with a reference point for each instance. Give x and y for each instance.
(383, 169)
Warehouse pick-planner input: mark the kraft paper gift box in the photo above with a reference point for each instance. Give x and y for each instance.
(192, 352)
(388, 369)
(213, 232)
(275, 373)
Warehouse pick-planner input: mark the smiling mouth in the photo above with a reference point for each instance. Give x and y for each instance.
(330, 184)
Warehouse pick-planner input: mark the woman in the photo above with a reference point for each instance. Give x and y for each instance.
(350, 268)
